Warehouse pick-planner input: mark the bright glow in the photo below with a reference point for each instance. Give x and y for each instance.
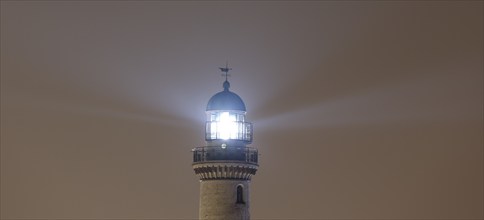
(227, 126)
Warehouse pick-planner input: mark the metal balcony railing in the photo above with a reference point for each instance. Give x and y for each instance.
(216, 153)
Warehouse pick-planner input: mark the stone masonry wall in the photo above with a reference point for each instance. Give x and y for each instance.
(218, 200)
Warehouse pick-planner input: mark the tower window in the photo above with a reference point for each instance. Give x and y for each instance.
(240, 195)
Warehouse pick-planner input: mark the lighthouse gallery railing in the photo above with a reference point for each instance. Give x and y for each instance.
(217, 153)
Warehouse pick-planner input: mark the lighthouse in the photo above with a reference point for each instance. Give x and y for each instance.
(226, 164)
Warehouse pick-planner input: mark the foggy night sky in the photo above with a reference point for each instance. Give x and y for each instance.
(361, 109)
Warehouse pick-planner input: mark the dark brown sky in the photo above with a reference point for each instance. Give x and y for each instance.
(361, 109)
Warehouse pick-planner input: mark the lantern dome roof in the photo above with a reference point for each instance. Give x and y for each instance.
(226, 100)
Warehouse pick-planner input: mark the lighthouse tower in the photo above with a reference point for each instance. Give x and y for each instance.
(226, 164)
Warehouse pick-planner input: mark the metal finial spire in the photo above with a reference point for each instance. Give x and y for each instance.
(225, 70)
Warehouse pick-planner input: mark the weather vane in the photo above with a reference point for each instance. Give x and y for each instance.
(225, 70)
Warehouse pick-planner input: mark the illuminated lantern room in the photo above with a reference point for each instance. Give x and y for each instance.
(226, 121)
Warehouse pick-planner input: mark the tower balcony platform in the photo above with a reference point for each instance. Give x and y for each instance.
(217, 154)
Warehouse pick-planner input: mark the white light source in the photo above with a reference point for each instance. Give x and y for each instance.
(227, 126)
